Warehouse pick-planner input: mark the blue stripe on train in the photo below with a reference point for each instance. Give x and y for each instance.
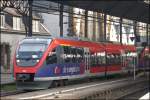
(52, 70)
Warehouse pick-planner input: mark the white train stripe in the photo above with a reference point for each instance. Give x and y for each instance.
(67, 77)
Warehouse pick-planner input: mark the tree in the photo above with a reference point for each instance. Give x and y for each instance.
(22, 7)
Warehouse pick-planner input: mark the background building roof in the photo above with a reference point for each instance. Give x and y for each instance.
(135, 9)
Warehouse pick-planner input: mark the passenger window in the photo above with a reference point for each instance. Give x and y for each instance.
(80, 54)
(98, 59)
(93, 59)
(67, 54)
(118, 59)
(103, 59)
(60, 54)
(113, 59)
(51, 57)
(108, 59)
(74, 54)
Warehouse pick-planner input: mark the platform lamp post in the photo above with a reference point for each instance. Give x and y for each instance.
(104, 39)
(121, 30)
(148, 43)
(134, 67)
(61, 20)
(30, 18)
(135, 33)
(86, 24)
(147, 36)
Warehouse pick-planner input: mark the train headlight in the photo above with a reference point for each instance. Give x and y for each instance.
(37, 60)
(17, 56)
(18, 60)
(34, 56)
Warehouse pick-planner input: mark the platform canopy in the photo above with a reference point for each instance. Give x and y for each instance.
(136, 10)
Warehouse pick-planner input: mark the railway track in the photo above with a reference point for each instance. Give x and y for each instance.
(136, 94)
(101, 88)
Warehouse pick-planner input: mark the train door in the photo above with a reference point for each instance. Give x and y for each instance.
(124, 62)
(87, 60)
(129, 61)
(133, 61)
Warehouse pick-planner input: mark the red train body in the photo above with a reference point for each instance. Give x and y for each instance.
(39, 61)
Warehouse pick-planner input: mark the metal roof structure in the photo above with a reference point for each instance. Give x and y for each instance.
(136, 10)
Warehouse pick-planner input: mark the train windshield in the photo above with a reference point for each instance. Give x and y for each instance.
(32, 47)
(30, 51)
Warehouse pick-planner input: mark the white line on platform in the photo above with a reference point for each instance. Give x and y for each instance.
(63, 91)
(145, 97)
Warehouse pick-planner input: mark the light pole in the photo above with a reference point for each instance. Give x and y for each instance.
(30, 18)
(134, 67)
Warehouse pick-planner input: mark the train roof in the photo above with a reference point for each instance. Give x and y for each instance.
(72, 38)
(34, 37)
(108, 45)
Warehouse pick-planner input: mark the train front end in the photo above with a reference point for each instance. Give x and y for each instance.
(29, 57)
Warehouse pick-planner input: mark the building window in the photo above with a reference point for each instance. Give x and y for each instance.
(2, 21)
(35, 26)
(16, 23)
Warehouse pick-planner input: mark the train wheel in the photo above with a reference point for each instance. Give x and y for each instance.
(54, 84)
(65, 82)
(90, 79)
(57, 83)
(61, 82)
(51, 85)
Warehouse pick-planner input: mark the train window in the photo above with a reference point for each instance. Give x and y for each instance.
(113, 59)
(79, 55)
(92, 60)
(67, 54)
(118, 59)
(103, 59)
(95, 59)
(51, 58)
(108, 57)
(60, 54)
(99, 59)
(74, 54)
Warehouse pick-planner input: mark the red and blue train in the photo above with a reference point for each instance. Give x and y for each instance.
(41, 61)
